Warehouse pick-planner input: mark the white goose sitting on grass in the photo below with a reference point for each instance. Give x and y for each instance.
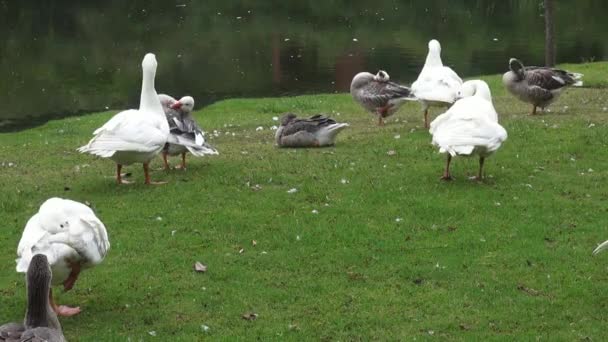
(469, 127)
(539, 86)
(71, 237)
(378, 94)
(185, 133)
(134, 135)
(316, 131)
(437, 84)
(41, 323)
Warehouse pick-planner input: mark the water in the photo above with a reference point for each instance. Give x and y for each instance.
(61, 58)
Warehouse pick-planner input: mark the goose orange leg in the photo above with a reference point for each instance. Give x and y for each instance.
(446, 174)
(426, 118)
(183, 165)
(147, 175)
(119, 179)
(165, 160)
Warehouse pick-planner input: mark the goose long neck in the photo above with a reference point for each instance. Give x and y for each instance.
(39, 312)
(149, 99)
(482, 90)
(433, 59)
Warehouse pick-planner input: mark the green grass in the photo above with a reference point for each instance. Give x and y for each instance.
(506, 259)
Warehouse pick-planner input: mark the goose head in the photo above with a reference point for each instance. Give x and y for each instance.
(382, 76)
(433, 58)
(53, 217)
(287, 118)
(185, 104)
(474, 88)
(149, 64)
(517, 67)
(39, 312)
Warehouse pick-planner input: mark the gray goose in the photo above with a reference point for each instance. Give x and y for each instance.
(185, 134)
(316, 131)
(539, 86)
(41, 323)
(378, 94)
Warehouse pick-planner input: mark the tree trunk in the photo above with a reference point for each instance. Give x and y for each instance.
(549, 33)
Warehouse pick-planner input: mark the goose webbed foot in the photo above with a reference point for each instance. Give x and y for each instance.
(62, 310)
(119, 175)
(182, 166)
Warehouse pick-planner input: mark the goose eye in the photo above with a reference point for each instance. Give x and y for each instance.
(61, 225)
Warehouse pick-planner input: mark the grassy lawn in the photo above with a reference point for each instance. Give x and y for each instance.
(390, 251)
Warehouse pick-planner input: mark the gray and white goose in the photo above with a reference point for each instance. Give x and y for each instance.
(185, 134)
(539, 86)
(378, 94)
(316, 131)
(41, 323)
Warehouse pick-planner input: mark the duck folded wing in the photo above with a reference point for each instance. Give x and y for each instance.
(378, 93)
(126, 136)
(549, 78)
(311, 125)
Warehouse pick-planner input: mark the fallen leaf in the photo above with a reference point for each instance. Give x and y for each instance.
(418, 281)
(254, 243)
(199, 267)
(241, 250)
(452, 228)
(391, 152)
(250, 316)
(464, 327)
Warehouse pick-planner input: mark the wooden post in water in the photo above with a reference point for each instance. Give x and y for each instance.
(549, 33)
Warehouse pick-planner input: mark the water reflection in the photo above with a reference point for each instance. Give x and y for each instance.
(65, 57)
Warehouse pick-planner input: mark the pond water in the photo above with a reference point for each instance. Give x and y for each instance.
(60, 58)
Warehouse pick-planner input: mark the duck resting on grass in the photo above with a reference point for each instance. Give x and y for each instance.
(41, 323)
(539, 86)
(185, 133)
(437, 84)
(470, 127)
(71, 237)
(316, 131)
(134, 135)
(601, 247)
(377, 94)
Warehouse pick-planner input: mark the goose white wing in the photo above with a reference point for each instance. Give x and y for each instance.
(461, 136)
(131, 130)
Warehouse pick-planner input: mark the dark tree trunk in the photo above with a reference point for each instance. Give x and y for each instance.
(549, 33)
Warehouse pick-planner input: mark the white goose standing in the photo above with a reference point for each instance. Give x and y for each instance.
(71, 237)
(469, 127)
(134, 136)
(437, 84)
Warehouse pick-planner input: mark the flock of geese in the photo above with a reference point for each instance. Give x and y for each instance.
(66, 237)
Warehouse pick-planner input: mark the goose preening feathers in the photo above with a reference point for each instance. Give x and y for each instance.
(185, 134)
(134, 135)
(538, 85)
(41, 323)
(72, 238)
(601, 247)
(316, 131)
(469, 127)
(437, 84)
(378, 94)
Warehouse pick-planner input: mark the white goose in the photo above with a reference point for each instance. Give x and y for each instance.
(71, 237)
(436, 85)
(601, 247)
(185, 134)
(134, 136)
(469, 127)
